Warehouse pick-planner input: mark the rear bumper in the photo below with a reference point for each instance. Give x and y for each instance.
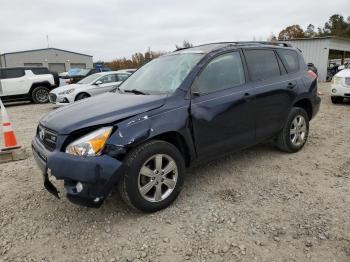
(98, 175)
(316, 106)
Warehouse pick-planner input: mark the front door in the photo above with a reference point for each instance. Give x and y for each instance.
(222, 107)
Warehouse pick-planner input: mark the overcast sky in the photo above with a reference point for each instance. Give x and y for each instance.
(108, 29)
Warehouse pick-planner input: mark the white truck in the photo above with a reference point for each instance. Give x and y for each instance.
(26, 83)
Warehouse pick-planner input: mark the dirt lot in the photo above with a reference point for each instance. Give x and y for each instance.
(257, 205)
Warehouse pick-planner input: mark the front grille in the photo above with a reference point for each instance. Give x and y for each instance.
(52, 98)
(47, 137)
(347, 81)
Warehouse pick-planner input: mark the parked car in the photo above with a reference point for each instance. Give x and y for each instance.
(89, 86)
(26, 83)
(76, 76)
(130, 70)
(178, 110)
(312, 67)
(340, 87)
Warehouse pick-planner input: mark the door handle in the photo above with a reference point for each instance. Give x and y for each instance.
(290, 85)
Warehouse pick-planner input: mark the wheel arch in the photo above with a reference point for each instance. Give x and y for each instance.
(178, 141)
(34, 85)
(305, 104)
(82, 92)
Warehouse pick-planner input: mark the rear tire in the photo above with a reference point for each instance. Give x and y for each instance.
(81, 96)
(147, 184)
(337, 99)
(40, 95)
(295, 131)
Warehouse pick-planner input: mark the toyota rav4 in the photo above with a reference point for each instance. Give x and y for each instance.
(184, 108)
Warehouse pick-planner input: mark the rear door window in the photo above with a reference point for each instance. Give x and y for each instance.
(224, 71)
(289, 59)
(40, 71)
(262, 64)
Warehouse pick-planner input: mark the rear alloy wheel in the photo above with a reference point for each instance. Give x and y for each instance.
(337, 99)
(153, 177)
(40, 95)
(295, 131)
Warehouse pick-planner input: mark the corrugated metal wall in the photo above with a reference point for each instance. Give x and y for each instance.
(315, 51)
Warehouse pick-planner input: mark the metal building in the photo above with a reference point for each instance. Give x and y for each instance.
(57, 60)
(317, 50)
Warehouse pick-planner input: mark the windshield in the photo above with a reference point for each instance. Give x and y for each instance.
(162, 75)
(348, 66)
(89, 79)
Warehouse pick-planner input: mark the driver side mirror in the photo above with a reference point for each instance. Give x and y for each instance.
(98, 83)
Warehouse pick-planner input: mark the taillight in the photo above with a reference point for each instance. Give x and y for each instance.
(311, 74)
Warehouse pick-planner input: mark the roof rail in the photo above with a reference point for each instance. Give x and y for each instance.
(264, 43)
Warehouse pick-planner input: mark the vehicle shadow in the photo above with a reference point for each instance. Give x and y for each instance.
(197, 177)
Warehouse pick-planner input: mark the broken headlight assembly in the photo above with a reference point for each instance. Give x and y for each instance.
(90, 144)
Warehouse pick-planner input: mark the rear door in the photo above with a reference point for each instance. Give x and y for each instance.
(14, 82)
(275, 90)
(222, 107)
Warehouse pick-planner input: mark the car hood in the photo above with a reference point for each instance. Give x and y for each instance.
(102, 109)
(67, 87)
(343, 73)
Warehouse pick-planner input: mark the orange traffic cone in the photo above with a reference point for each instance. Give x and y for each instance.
(10, 141)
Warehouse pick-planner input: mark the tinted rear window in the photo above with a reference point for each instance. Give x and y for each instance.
(262, 64)
(40, 71)
(12, 73)
(290, 60)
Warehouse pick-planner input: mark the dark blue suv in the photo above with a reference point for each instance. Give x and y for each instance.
(184, 108)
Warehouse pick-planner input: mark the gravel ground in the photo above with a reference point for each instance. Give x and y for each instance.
(256, 205)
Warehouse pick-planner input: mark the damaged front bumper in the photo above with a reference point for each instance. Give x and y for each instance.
(87, 180)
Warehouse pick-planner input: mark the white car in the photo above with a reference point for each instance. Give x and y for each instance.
(340, 87)
(89, 86)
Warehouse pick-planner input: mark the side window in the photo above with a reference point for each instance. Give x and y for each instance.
(290, 60)
(2, 75)
(40, 71)
(122, 77)
(107, 79)
(262, 64)
(12, 73)
(224, 71)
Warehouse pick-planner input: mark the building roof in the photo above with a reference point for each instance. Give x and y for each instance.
(43, 49)
(316, 38)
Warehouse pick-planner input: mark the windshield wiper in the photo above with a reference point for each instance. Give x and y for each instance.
(135, 91)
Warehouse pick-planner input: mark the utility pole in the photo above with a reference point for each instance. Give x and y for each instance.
(47, 40)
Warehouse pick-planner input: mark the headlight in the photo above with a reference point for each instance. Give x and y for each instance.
(66, 92)
(337, 80)
(90, 144)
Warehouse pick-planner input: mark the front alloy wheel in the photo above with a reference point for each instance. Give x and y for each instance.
(157, 178)
(153, 176)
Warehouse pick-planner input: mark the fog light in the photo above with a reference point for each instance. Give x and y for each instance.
(334, 90)
(96, 199)
(79, 187)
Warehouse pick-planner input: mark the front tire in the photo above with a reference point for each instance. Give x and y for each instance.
(295, 131)
(153, 177)
(40, 95)
(337, 99)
